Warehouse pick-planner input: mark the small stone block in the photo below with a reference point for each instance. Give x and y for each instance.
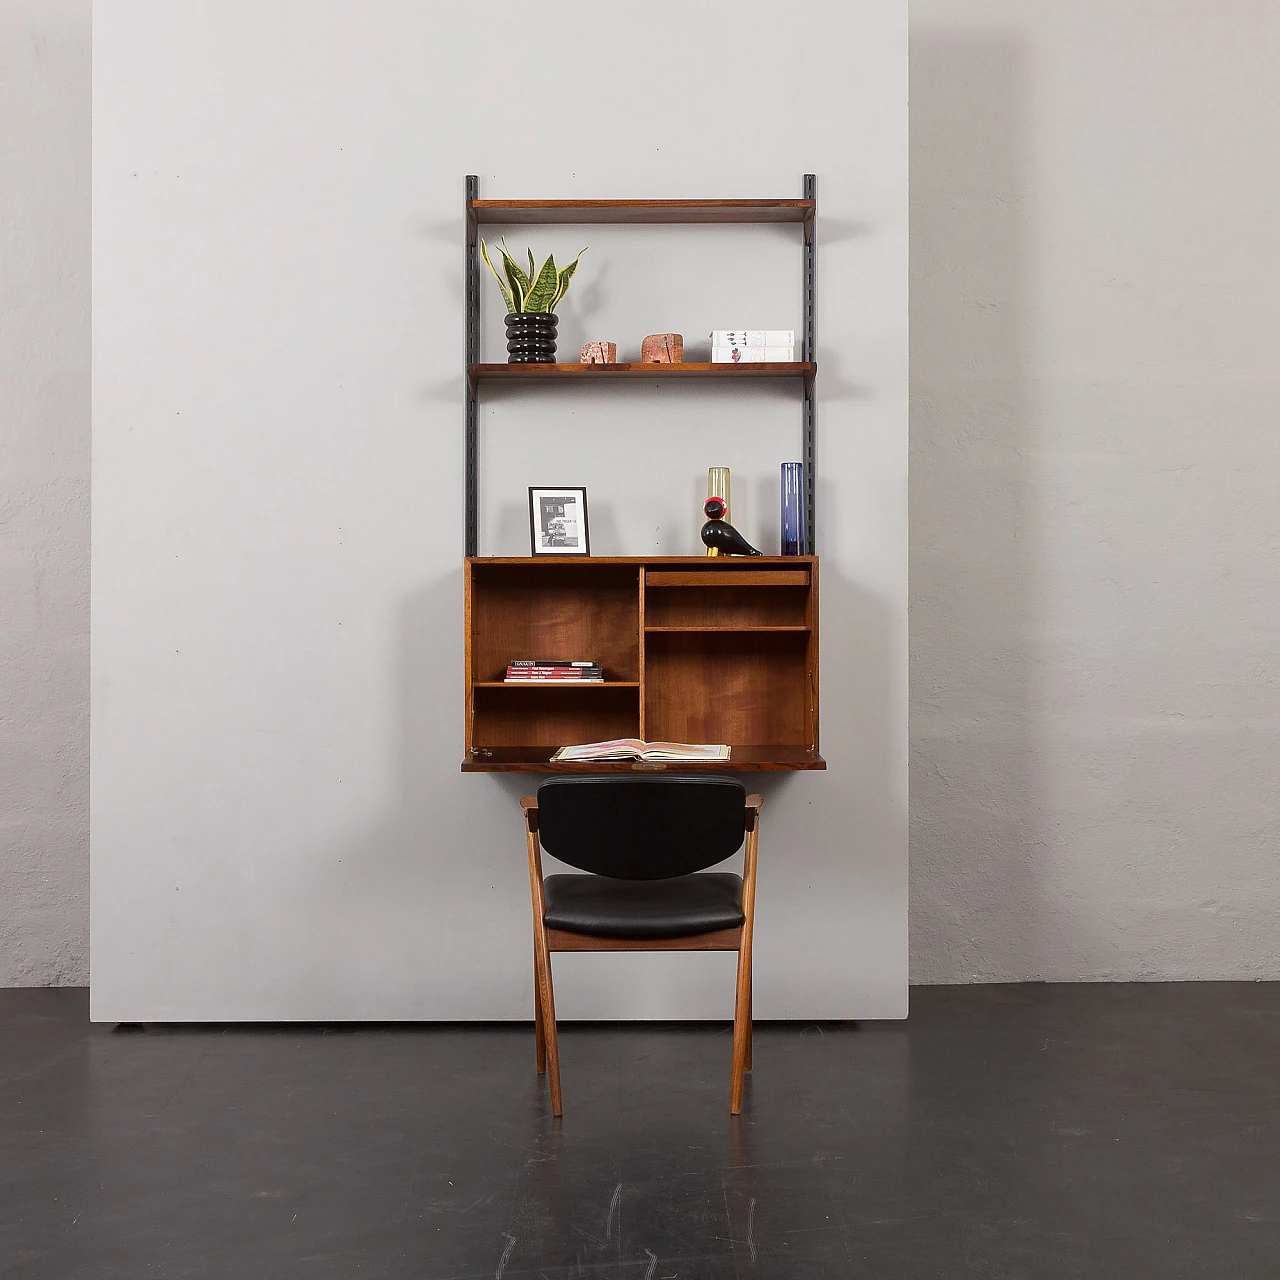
(599, 353)
(662, 348)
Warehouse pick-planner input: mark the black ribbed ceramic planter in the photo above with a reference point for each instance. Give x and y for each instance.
(531, 338)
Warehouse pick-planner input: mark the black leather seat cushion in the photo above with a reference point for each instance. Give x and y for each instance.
(674, 908)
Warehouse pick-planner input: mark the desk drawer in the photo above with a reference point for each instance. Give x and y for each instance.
(748, 578)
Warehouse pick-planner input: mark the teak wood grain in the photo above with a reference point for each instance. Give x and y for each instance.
(556, 684)
(721, 940)
(552, 717)
(730, 606)
(726, 651)
(725, 564)
(580, 609)
(724, 580)
(715, 686)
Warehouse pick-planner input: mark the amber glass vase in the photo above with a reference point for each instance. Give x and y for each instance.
(718, 487)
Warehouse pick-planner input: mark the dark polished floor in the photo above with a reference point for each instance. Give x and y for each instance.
(1128, 1131)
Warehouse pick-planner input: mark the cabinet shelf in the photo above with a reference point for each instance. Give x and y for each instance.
(713, 629)
(556, 684)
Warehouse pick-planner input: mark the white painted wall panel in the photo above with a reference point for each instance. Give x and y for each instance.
(44, 493)
(280, 829)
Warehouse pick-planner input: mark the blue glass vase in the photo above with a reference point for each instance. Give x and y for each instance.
(793, 523)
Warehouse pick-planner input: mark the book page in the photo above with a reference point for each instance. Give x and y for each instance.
(685, 751)
(615, 748)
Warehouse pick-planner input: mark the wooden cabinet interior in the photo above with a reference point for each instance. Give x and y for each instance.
(693, 650)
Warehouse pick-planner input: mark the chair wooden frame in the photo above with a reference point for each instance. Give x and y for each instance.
(545, 941)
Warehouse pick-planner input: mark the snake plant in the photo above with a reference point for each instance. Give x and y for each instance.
(532, 290)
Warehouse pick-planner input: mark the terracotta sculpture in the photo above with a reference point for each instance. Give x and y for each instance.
(662, 348)
(599, 353)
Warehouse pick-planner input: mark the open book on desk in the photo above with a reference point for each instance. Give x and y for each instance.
(635, 749)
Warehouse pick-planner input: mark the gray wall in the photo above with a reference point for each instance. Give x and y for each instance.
(1094, 619)
(44, 492)
(1095, 530)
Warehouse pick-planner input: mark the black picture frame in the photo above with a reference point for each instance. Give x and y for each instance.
(555, 528)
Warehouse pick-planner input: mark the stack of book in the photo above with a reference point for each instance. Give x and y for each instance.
(553, 671)
(752, 346)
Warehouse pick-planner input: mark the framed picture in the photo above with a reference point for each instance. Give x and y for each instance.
(558, 522)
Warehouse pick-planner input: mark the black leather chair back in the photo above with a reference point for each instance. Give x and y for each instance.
(642, 827)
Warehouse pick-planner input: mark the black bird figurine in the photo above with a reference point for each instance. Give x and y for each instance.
(725, 539)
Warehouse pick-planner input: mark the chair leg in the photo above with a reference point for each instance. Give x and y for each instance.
(539, 1034)
(750, 1021)
(741, 1023)
(549, 1022)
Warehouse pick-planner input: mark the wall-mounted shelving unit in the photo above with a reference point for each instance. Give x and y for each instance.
(694, 649)
(635, 213)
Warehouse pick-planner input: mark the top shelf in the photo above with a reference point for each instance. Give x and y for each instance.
(641, 211)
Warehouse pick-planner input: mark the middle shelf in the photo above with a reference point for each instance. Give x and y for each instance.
(803, 369)
(555, 684)
(712, 630)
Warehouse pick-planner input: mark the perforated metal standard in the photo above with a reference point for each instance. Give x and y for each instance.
(471, 535)
(810, 353)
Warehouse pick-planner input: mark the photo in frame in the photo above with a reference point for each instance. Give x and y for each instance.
(558, 521)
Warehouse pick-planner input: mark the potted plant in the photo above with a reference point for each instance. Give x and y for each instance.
(531, 299)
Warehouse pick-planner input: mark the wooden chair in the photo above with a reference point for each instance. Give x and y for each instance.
(645, 843)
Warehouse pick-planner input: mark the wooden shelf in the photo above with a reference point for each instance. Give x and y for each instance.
(556, 684)
(803, 369)
(712, 628)
(639, 212)
(800, 565)
(744, 759)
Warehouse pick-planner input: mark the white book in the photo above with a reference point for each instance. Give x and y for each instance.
(753, 337)
(737, 355)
